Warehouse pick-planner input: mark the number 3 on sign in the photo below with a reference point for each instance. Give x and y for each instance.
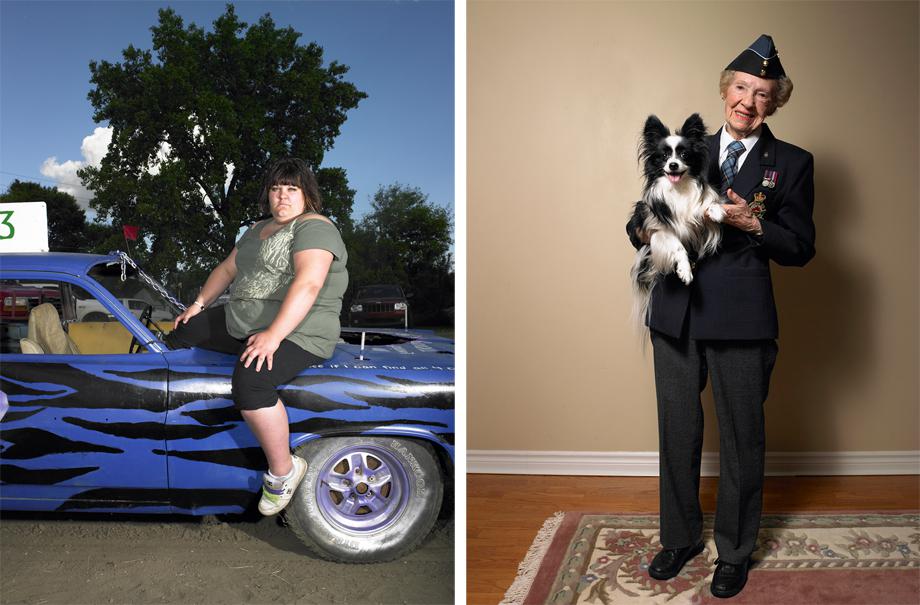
(7, 230)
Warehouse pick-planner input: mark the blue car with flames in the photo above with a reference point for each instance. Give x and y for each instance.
(98, 414)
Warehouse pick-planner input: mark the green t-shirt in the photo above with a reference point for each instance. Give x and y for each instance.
(264, 272)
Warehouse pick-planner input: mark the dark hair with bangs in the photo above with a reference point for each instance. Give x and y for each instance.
(292, 171)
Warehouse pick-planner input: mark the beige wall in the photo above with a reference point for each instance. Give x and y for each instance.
(558, 93)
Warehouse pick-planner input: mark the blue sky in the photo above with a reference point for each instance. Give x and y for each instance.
(400, 53)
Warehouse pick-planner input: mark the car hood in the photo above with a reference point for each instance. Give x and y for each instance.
(401, 347)
(393, 349)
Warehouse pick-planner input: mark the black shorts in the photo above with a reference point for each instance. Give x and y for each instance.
(251, 390)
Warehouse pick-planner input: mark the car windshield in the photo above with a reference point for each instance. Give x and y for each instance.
(133, 292)
(380, 292)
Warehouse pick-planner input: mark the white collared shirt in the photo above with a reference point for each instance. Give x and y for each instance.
(749, 143)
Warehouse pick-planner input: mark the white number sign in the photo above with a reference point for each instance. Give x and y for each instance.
(24, 227)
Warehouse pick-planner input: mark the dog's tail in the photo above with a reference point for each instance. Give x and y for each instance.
(643, 275)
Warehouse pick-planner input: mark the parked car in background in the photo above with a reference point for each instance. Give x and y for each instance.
(103, 416)
(15, 301)
(92, 310)
(379, 305)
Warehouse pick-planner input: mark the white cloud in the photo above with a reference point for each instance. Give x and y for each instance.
(93, 149)
(96, 145)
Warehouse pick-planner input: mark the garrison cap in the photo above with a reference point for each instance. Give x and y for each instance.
(759, 59)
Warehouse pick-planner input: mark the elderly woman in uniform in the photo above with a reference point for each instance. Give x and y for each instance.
(724, 324)
(288, 277)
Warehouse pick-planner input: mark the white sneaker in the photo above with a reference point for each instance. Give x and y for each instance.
(277, 493)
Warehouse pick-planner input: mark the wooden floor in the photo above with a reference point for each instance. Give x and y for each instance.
(504, 512)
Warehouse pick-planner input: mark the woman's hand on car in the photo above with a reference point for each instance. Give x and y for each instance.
(191, 311)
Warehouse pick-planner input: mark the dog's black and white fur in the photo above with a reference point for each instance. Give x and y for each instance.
(675, 203)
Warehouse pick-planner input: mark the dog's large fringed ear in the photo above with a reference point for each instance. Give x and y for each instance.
(654, 130)
(693, 128)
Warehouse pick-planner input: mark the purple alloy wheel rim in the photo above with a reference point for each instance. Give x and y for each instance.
(362, 489)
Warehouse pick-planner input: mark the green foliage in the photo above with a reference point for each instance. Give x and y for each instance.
(406, 240)
(67, 227)
(195, 105)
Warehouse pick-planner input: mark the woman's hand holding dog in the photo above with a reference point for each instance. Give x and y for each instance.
(739, 215)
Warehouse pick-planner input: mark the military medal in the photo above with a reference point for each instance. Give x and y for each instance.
(757, 206)
(769, 179)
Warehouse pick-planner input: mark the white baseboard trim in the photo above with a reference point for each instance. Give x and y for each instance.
(645, 464)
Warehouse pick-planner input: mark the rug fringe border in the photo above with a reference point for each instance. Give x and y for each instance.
(527, 569)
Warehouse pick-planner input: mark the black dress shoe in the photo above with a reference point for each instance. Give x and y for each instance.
(670, 561)
(729, 578)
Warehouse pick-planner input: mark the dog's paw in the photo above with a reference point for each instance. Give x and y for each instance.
(715, 213)
(684, 272)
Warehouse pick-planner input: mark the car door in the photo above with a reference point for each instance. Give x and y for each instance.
(215, 462)
(83, 430)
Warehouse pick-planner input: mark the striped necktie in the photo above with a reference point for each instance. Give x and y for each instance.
(730, 165)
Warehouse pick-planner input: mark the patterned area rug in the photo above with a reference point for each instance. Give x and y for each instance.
(826, 559)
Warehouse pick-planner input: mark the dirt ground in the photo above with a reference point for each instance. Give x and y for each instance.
(78, 560)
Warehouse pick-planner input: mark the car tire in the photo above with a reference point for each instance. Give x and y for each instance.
(95, 316)
(402, 493)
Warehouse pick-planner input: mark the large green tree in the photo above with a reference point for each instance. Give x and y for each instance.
(68, 230)
(198, 104)
(405, 239)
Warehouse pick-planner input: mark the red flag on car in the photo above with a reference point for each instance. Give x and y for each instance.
(131, 232)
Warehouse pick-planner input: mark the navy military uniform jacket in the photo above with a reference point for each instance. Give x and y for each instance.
(731, 295)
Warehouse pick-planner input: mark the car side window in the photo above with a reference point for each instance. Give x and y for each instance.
(57, 318)
(17, 300)
(94, 329)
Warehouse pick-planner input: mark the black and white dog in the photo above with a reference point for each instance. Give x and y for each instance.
(675, 203)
